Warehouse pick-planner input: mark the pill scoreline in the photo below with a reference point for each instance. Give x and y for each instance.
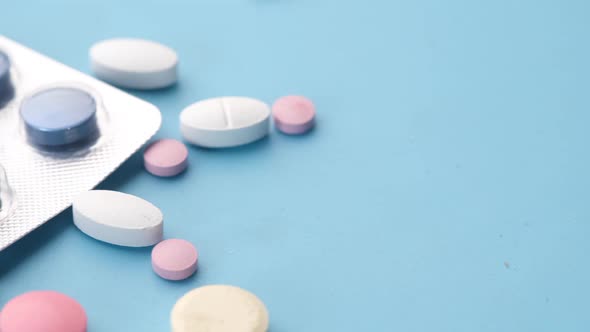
(226, 108)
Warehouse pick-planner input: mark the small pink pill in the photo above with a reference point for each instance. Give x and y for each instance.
(293, 114)
(175, 259)
(46, 311)
(166, 157)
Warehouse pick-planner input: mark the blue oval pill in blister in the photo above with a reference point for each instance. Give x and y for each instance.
(59, 116)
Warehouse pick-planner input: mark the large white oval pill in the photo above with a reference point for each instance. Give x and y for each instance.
(225, 122)
(118, 218)
(219, 308)
(134, 63)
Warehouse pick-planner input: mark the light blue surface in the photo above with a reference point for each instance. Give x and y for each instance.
(445, 188)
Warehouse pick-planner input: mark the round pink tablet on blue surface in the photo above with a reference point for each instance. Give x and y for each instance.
(175, 259)
(45, 311)
(166, 157)
(293, 115)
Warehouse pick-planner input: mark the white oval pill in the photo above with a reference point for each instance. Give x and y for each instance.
(134, 63)
(225, 122)
(219, 308)
(118, 218)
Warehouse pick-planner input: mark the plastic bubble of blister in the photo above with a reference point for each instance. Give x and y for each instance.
(6, 195)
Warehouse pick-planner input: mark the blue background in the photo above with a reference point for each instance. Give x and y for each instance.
(445, 187)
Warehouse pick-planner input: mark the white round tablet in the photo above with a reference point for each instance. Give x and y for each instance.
(219, 308)
(225, 122)
(134, 63)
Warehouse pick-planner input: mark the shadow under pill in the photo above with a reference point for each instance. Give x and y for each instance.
(249, 148)
(307, 135)
(176, 178)
(193, 279)
(121, 250)
(17, 253)
(147, 94)
(125, 173)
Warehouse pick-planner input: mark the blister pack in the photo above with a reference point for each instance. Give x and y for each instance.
(61, 133)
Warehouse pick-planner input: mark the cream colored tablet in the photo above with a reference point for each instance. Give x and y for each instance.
(118, 218)
(219, 308)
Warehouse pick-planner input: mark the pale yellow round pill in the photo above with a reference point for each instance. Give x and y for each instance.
(219, 308)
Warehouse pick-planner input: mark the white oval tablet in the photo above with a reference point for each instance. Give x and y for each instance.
(225, 122)
(118, 218)
(219, 308)
(134, 63)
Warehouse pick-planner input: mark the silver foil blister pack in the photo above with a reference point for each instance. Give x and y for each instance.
(38, 182)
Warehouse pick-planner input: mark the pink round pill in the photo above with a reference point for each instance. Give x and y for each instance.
(174, 259)
(46, 311)
(166, 157)
(293, 114)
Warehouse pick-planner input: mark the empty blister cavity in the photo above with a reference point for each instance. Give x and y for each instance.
(6, 88)
(60, 116)
(6, 195)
